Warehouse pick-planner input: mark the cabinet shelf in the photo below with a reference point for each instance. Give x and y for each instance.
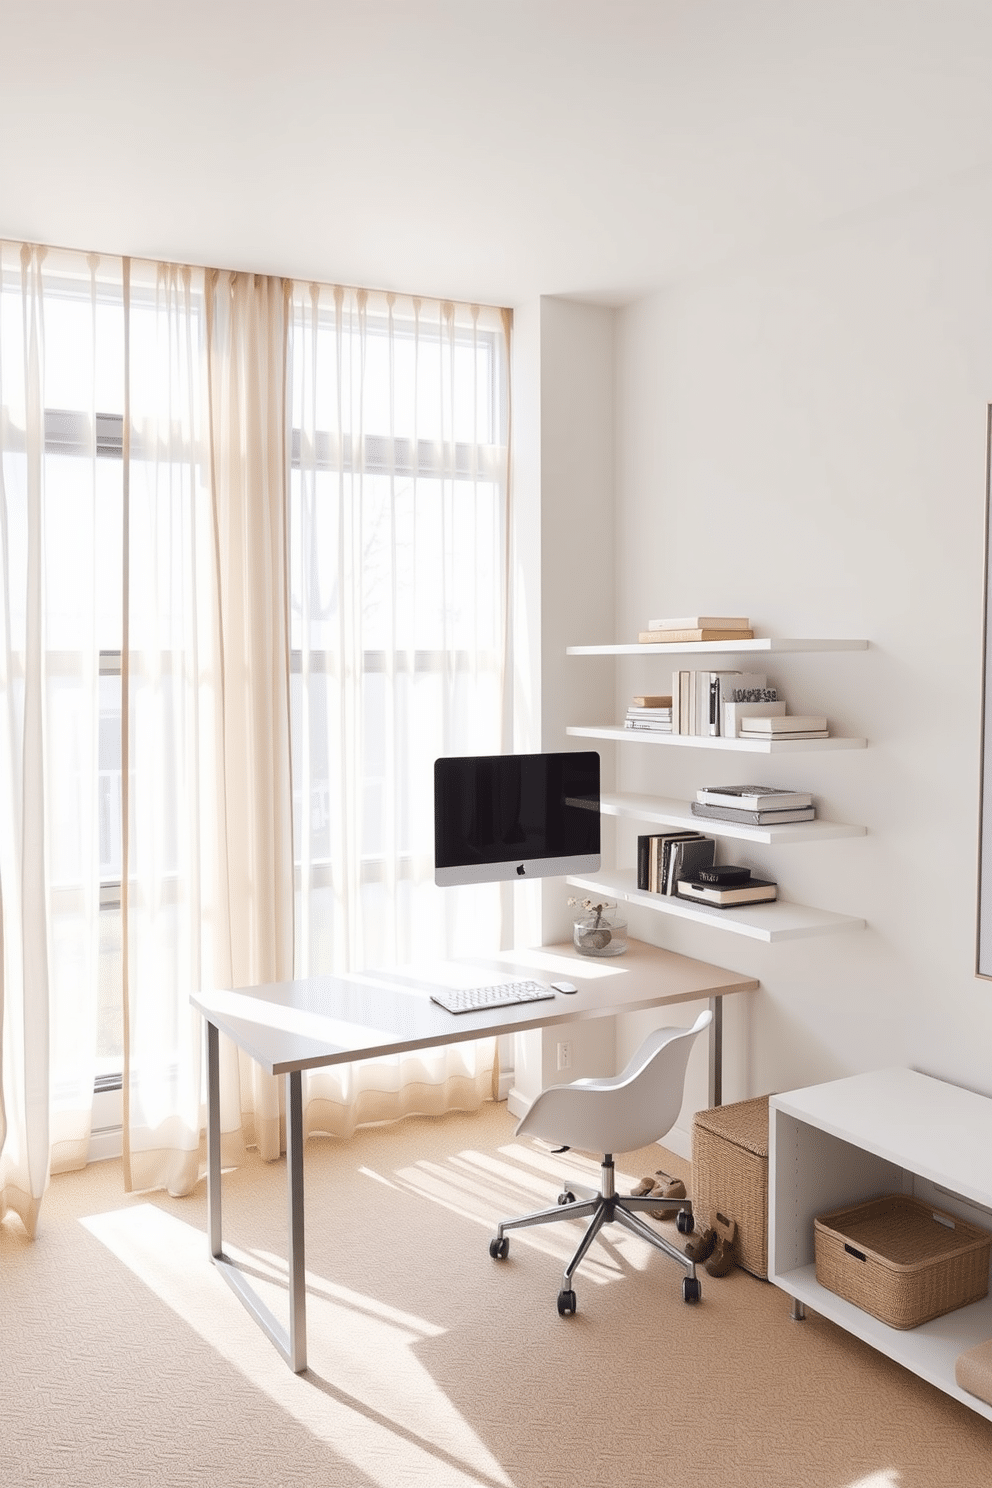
(885, 1131)
(714, 648)
(702, 741)
(780, 920)
(677, 813)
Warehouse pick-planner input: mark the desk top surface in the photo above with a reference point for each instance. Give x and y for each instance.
(316, 1021)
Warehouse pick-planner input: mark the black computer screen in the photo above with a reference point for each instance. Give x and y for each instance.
(515, 816)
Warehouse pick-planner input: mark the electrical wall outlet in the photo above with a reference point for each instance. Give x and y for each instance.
(564, 1056)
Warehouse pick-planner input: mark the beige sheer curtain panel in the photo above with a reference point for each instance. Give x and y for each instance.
(54, 512)
(253, 541)
(398, 602)
(209, 849)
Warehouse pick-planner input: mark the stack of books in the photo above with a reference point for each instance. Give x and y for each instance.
(665, 857)
(697, 628)
(712, 703)
(790, 726)
(652, 712)
(754, 805)
(725, 885)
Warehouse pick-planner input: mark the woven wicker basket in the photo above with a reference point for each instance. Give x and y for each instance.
(902, 1260)
(730, 1175)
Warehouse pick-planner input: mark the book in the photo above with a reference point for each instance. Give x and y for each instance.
(691, 633)
(646, 726)
(812, 734)
(643, 850)
(720, 688)
(635, 712)
(699, 698)
(726, 874)
(753, 797)
(793, 723)
(647, 854)
(652, 700)
(686, 857)
(659, 847)
(755, 891)
(702, 622)
(752, 818)
(733, 714)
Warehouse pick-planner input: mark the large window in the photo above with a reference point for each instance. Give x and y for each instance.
(396, 451)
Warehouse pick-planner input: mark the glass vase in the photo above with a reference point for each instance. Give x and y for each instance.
(603, 934)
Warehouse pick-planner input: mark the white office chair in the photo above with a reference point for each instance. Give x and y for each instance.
(620, 1114)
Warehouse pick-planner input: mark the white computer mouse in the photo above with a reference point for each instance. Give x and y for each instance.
(564, 986)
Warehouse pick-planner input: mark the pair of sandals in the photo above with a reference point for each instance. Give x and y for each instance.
(715, 1246)
(662, 1186)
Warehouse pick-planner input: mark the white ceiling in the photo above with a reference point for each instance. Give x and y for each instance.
(480, 149)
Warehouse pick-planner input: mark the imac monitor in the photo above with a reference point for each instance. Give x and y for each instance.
(515, 816)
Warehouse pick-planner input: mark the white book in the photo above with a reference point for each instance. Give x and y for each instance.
(753, 797)
(702, 622)
(795, 723)
(784, 738)
(735, 713)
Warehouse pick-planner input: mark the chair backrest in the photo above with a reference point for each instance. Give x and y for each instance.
(625, 1111)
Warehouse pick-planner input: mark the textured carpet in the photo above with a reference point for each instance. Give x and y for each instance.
(125, 1359)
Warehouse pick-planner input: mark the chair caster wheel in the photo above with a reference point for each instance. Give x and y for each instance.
(566, 1304)
(691, 1290)
(499, 1249)
(567, 1197)
(685, 1223)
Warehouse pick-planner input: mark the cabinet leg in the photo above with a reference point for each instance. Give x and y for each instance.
(798, 1310)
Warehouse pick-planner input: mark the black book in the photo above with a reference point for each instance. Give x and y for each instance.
(659, 849)
(755, 891)
(686, 858)
(725, 874)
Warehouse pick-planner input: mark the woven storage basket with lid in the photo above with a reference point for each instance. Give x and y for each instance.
(901, 1260)
(730, 1175)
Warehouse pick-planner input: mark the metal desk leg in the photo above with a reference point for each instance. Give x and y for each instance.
(213, 1140)
(297, 1268)
(292, 1344)
(716, 1052)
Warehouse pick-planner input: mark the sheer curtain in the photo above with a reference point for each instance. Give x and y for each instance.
(398, 408)
(209, 898)
(253, 565)
(58, 523)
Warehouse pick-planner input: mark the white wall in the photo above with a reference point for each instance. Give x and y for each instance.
(562, 494)
(801, 438)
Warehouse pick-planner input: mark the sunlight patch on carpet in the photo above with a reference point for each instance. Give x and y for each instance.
(365, 1392)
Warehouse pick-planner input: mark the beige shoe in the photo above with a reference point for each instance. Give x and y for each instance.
(700, 1247)
(722, 1259)
(640, 1189)
(668, 1188)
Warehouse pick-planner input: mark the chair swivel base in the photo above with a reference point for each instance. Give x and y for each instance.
(603, 1206)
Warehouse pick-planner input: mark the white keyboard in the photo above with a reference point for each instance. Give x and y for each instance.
(501, 994)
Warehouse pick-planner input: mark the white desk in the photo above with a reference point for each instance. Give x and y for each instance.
(289, 1027)
(888, 1131)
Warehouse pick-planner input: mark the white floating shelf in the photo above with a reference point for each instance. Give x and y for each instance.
(701, 741)
(679, 814)
(780, 920)
(713, 648)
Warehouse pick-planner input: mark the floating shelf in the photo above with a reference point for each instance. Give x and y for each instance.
(701, 741)
(679, 814)
(780, 920)
(713, 648)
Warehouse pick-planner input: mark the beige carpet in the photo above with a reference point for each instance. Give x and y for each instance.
(125, 1359)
